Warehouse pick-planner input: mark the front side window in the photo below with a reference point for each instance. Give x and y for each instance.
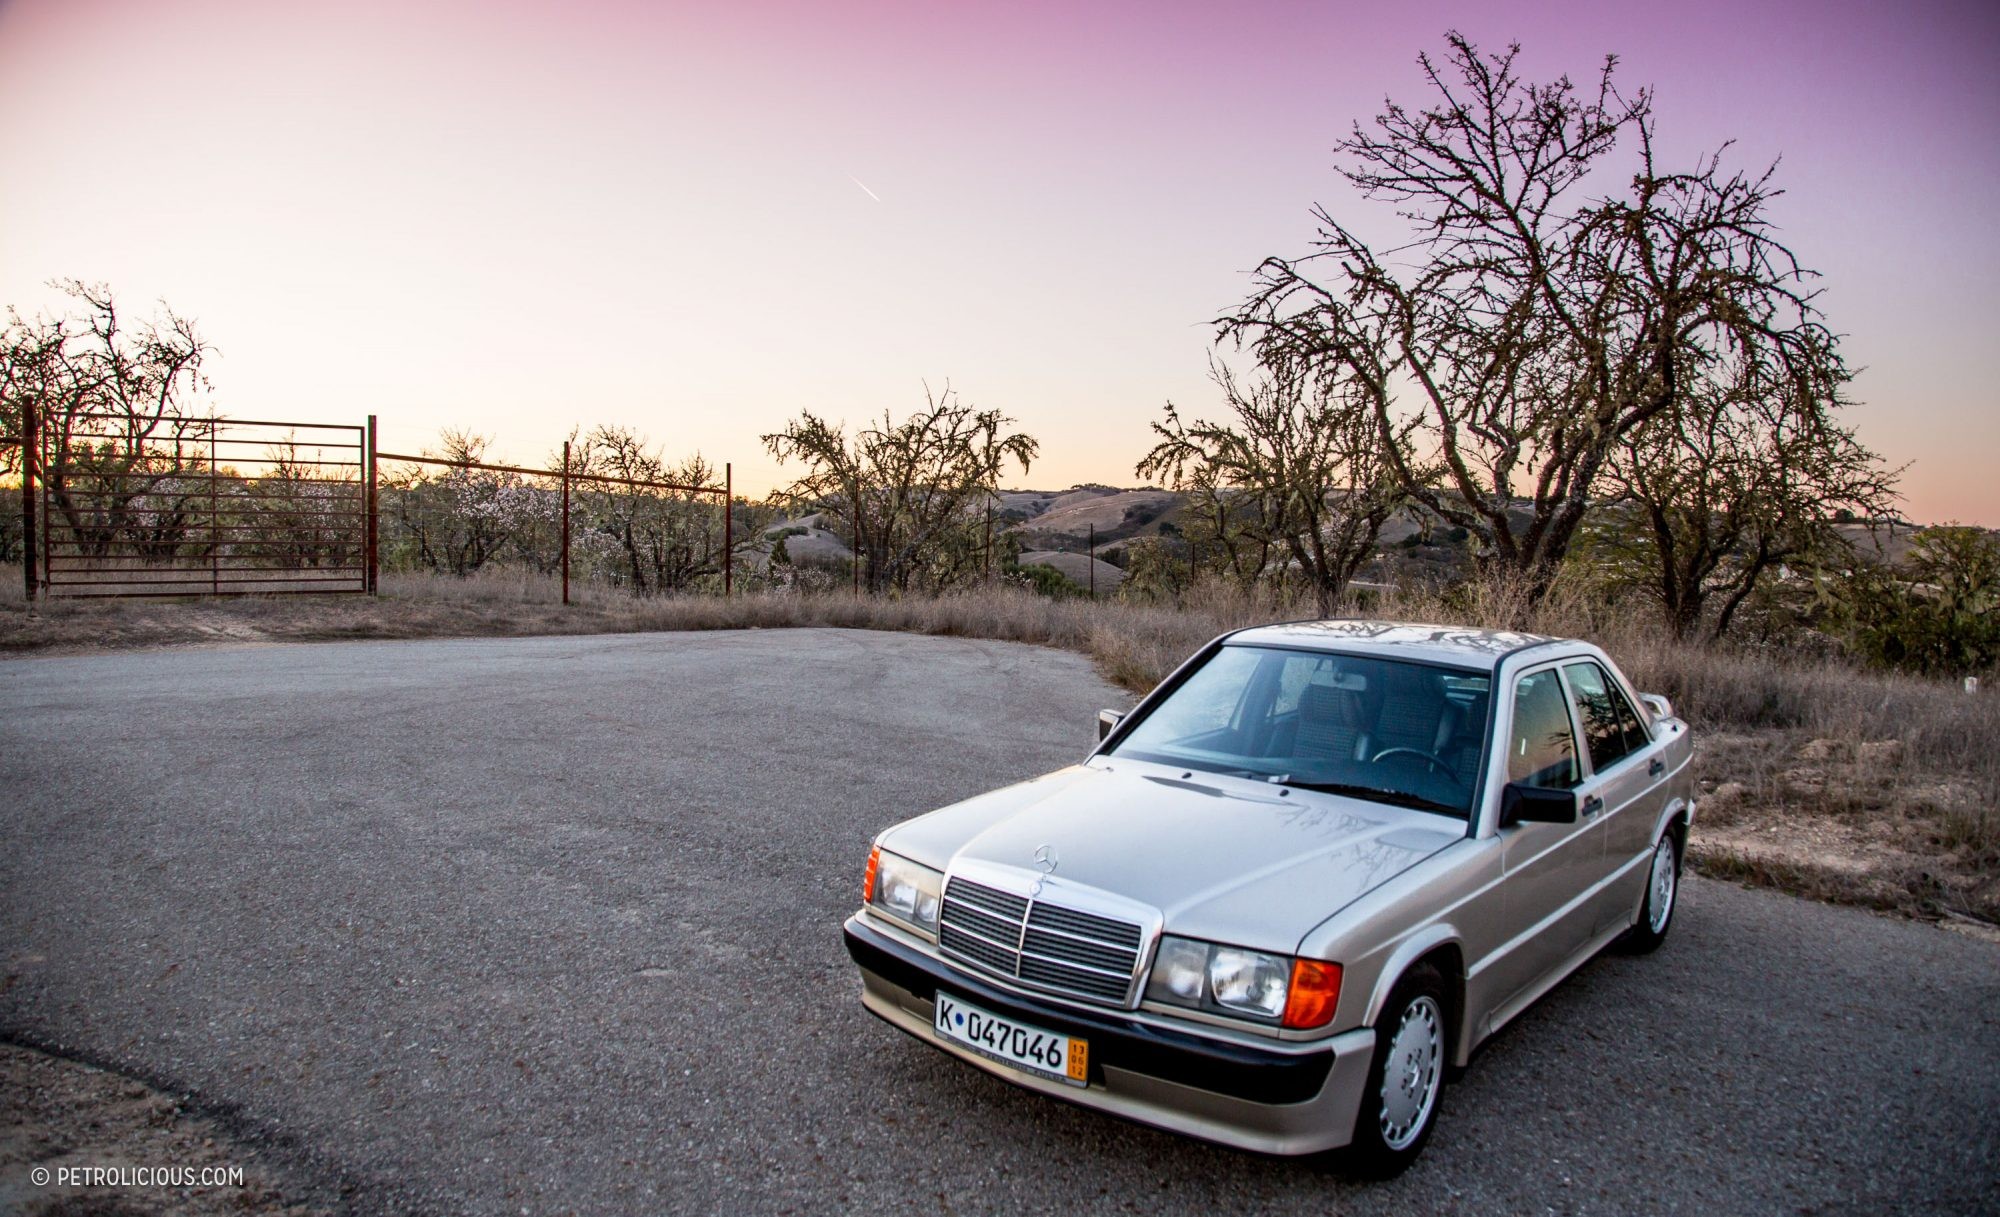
(1610, 728)
(1542, 749)
(1398, 732)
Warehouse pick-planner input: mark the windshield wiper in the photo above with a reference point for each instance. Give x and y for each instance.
(1395, 798)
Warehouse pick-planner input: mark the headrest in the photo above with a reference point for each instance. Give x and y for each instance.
(1328, 702)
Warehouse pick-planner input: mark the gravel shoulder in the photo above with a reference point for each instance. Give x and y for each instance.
(66, 1114)
(551, 925)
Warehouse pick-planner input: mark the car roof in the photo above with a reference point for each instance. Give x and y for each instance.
(1458, 646)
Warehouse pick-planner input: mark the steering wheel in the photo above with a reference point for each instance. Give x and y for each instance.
(1431, 758)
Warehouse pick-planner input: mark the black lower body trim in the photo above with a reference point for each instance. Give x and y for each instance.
(1235, 1070)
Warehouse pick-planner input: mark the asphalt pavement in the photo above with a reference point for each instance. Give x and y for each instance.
(553, 925)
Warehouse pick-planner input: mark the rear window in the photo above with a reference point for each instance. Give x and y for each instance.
(1611, 728)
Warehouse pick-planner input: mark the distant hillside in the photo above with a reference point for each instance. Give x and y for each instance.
(1054, 527)
(1062, 519)
(1076, 568)
(816, 546)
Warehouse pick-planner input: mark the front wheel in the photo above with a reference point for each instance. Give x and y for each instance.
(1399, 1107)
(1663, 883)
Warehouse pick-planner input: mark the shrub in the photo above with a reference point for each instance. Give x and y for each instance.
(1046, 580)
(1938, 614)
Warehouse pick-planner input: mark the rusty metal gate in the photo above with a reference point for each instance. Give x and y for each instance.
(129, 505)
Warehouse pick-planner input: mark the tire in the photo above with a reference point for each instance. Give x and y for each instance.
(1405, 1079)
(1663, 891)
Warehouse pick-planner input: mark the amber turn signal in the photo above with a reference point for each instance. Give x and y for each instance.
(868, 880)
(1314, 994)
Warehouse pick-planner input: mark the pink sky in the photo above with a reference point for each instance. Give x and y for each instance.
(514, 217)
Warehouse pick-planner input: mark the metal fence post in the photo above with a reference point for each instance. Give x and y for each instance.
(565, 521)
(371, 504)
(728, 527)
(1091, 555)
(214, 522)
(29, 444)
(46, 579)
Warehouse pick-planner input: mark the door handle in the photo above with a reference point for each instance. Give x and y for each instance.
(1592, 805)
(1657, 768)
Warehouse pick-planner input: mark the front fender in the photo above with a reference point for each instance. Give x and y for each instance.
(1407, 952)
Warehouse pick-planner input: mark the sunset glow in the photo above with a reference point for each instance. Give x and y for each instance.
(698, 220)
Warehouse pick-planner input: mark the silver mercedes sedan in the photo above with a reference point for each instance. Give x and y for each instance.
(1309, 872)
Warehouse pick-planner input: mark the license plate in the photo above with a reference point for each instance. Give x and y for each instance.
(1022, 1045)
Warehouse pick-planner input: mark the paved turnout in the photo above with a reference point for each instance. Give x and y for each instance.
(552, 925)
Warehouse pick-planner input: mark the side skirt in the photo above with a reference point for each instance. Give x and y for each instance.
(1507, 1010)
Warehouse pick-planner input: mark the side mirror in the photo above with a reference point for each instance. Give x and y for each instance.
(1107, 722)
(1660, 706)
(1524, 804)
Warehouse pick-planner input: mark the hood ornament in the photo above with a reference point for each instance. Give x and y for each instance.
(1046, 861)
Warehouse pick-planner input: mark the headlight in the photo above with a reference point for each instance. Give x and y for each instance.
(1249, 981)
(1298, 993)
(1182, 970)
(907, 891)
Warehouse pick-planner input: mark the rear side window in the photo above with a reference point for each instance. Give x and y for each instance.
(1610, 728)
(1543, 748)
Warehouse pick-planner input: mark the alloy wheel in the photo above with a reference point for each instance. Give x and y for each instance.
(1411, 1072)
(1660, 899)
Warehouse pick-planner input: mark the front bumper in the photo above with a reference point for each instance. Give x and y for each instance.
(1277, 1099)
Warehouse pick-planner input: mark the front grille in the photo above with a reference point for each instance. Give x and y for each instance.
(1085, 925)
(1078, 980)
(1042, 944)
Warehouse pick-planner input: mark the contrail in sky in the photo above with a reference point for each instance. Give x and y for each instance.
(864, 189)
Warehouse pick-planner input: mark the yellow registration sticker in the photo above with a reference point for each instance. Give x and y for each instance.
(1079, 1060)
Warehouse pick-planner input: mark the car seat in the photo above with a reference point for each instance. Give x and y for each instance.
(1329, 724)
(1411, 714)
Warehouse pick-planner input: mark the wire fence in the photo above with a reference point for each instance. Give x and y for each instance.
(125, 505)
(459, 515)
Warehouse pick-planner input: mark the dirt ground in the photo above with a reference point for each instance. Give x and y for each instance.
(57, 1114)
(1848, 822)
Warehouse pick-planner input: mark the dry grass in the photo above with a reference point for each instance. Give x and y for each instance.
(1817, 776)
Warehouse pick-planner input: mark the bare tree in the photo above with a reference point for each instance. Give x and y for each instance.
(1738, 479)
(1299, 472)
(112, 410)
(666, 539)
(31, 375)
(911, 496)
(461, 519)
(1529, 328)
(293, 513)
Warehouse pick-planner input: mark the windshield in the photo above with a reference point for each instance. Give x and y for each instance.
(1389, 730)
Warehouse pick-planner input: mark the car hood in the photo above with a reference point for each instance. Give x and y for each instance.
(1223, 859)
